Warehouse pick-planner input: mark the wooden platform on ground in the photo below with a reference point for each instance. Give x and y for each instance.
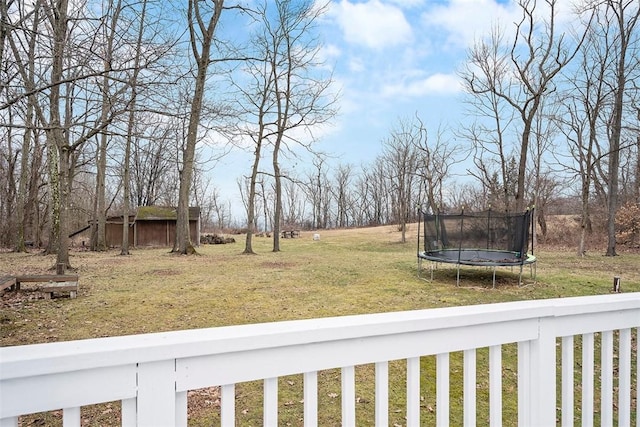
(51, 283)
(7, 282)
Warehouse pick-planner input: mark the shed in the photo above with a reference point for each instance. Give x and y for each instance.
(152, 226)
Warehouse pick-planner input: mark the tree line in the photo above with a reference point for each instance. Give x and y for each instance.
(111, 104)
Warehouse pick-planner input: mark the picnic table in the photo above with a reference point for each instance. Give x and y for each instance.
(290, 234)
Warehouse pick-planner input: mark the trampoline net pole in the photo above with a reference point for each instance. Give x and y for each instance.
(460, 238)
(489, 229)
(533, 228)
(420, 219)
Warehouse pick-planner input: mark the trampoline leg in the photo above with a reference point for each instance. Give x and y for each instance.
(520, 276)
(494, 277)
(458, 276)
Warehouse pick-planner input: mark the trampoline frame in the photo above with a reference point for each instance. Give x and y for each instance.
(480, 257)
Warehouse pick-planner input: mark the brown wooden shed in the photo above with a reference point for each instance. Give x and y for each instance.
(152, 226)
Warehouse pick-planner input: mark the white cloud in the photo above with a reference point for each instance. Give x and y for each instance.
(462, 21)
(356, 65)
(330, 52)
(372, 24)
(435, 84)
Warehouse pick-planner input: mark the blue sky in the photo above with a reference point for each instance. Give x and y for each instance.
(392, 59)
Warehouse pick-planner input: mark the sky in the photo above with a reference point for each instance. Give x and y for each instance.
(392, 59)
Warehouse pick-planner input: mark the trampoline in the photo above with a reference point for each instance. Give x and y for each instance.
(481, 239)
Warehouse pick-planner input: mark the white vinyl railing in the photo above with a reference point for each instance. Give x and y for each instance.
(151, 374)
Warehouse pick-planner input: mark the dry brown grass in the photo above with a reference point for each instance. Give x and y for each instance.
(346, 272)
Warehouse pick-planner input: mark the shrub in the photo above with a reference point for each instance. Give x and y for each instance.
(628, 224)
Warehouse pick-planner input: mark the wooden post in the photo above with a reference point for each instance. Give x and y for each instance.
(616, 284)
(60, 268)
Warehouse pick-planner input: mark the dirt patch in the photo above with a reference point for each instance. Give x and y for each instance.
(277, 264)
(202, 401)
(164, 272)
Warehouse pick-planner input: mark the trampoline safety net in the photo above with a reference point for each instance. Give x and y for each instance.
(450, 235)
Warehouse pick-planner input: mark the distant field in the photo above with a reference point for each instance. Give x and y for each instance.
(346, 272)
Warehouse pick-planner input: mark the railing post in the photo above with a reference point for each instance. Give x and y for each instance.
(537, 377)
(156, 398)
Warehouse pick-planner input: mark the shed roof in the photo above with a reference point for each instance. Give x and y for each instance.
(151, 213)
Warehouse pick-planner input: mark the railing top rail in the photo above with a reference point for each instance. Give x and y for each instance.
(48, 358)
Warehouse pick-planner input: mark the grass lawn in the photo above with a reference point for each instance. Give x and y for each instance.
(345, 272)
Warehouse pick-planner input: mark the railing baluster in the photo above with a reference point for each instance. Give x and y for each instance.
(348, 396)
(524, 383)
(270, 415)
(567, 381)
(469, 410)
(587, 379)
(606, 380)
(624, 378)
(71, 417)
(442, 390)
(495, 386)
(228, 405)
(311, 399)
(413, 392)
(382, 394)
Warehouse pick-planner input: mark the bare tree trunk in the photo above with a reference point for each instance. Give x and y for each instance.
(32, 224)
(124, 250)
(53, 241)
(65, 187)
(626, 29)
(28, 137)
(200, 32)
(59, 169)
(636, 191)
(277, 212)
(251, 202)
(100, 212)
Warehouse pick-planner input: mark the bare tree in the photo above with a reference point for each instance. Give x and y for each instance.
(131, 127)
(341, 194)
(26, 203)
(64, 100)
(580, 119)
(202, 20)
(258, 105)
(520, 77)
(486, 77)
(400, 157)
(435, 159)
(318, 189)
(151, 164)
(620, 37)
(297, 94)
(107, 32)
